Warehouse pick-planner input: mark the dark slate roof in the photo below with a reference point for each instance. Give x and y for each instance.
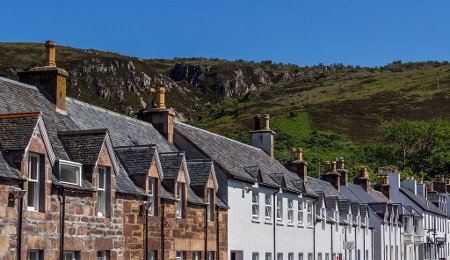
(220, 203)
(16, 97)
(83, 146)
(356, 193)
(228, 154)
(330, 202)
(171, 164)
(320, 186)
(199, 171)
(136, 159)
(194, 199)
(125, 185)
(7, 171)
(379, 196)
(16, 130)
(344, 206)
(379, 208)
(166, 195)
(124, 130)
(355, 208)
(433, 196)
(422, 202)
(363, 209)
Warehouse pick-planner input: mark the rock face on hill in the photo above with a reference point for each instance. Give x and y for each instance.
(228, 93)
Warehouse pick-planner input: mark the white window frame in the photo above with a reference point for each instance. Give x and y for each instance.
(290, 211)
(34, 182)
(255, 256)
(300, 256)
(179, 255)
(268, 207)
(70, 164)
(210, 200)
(279, 208)
(290, 256)
(151, 195)
(102, 255)
(268, 256)
(255, 204)
(309, 213)
(180, 199)
(70, 254)
(300, 211)
(101, 191)
(37, 252)
(279, 256)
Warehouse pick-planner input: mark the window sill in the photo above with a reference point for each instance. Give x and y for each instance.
(268, 222)
(280, 223)
(310, 227)
(255, 220)
(290, 225)
(300, 226)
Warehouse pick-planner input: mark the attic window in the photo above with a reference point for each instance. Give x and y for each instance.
(70, 172)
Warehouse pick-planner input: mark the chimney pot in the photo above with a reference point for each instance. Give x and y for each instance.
(257, 122)
(50, 54)
(327, 166)
(299, 154)
(333, 166)
(267, 122)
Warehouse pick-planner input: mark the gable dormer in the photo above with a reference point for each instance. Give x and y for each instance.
(176, 178)
(26, 150)
(204, 183)
(143, 166)
(92, 151)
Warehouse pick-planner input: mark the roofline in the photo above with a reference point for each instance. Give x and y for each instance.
(83, 132)
(19, 115)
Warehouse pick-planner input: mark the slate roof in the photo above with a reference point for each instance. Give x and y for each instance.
(330, 202)
(224, 153)
(16, 97)
(199, 171)
(136, 159)
(356, 193)
(171, 164)
(7, 171)
(194, 199)
(321, 186)
(16, 130)
(83, 146)
(125, 184)
(124, 130)
(422, 202)
(166, 195)
(220, 203)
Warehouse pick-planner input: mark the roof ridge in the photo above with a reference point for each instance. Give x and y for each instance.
(19, 115)
(18, 83)
(83, 132)
(178, 122)
(110, 111)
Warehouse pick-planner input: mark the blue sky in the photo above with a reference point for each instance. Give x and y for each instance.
(367, 33)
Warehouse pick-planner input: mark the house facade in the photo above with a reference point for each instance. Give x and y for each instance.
(81, 182)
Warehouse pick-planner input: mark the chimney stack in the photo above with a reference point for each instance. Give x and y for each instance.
(342, 171)
(49, 79)
(362, 178)
(383, 185)
(297, 165)
(439, 184)
(263, 139)
(158, 115)
(331, 175)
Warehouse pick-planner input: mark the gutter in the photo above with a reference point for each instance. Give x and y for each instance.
(217, 233)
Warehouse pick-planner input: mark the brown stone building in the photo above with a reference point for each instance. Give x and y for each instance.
(81, 182)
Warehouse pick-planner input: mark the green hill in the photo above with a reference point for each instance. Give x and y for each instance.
(332, 111)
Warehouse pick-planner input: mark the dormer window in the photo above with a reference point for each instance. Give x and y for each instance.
(34, 182)
(101, 191)
(70, 172)
(151, 196)
(210, 199)
(180, 200)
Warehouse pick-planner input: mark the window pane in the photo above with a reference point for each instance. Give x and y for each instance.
(70, 173)
(101, 178)
(101, 202)
(33, 168)
(255, 256)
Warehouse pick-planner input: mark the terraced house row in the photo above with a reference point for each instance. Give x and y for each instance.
(81, 182)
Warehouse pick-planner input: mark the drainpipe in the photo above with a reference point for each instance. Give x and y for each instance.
(364, 244)
(206, 232)
(217, 233)
(162, 229)
(274, 224)
(331, 229)
(345, 237)
(314, 234)
(19, 235)
(146, 232)
(62, 223)
(373, 244)
(356, 246)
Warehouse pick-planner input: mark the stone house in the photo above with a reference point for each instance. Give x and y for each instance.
(82, 182)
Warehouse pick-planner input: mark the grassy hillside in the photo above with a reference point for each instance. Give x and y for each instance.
(331, 111)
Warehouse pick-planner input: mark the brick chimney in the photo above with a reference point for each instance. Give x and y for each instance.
(383, 185)
(439, 184)
(362, 178)
(263, 137)
(50, 80)
(342, 171)
(158, 115)
(297, 165)
(331, 175)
